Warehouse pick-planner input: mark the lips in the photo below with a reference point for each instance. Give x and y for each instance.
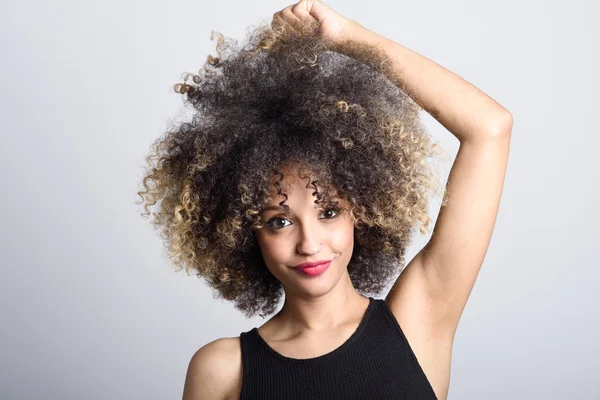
(314, 271)
(311, 264)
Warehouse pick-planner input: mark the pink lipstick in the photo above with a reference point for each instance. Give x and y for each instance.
(313, 269)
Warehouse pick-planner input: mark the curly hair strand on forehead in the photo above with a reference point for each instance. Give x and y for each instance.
(284, 100)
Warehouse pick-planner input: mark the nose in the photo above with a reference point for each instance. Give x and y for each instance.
(310, 239)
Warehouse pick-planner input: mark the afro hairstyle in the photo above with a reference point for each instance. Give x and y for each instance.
(283, 97)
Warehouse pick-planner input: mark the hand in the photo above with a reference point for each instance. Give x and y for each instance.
(332, 26)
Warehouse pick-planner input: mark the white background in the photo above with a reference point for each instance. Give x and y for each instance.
(91, 307)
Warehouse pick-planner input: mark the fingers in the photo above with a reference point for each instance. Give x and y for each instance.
(296, 15)
(277, 20)
(302, 11)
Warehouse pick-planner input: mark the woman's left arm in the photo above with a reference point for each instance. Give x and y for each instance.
(467, 112)
(433, 289)
(447, 267)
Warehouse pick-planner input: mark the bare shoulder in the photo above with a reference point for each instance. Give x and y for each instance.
(215, 371)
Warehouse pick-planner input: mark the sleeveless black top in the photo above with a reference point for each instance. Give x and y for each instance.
(376, 362)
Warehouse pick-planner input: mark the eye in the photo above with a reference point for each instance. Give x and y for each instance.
(328, 211)
(272, 222)
(336, 211)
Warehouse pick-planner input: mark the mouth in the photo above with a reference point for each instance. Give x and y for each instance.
(316, 269)
(311, 264)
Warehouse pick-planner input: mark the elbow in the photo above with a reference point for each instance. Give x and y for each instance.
(503, 125)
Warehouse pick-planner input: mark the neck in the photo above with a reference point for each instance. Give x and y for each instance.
(323, 313)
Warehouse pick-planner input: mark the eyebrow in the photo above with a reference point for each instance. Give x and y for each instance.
(280, 208)
(275, 208)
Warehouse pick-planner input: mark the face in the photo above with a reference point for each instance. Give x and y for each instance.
(312, 233)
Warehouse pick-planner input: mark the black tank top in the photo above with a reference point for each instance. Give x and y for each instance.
(376, 362)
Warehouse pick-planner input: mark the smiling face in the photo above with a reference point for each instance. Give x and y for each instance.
(310, 232)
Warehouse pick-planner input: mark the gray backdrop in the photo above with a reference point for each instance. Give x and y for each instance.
(90, 306)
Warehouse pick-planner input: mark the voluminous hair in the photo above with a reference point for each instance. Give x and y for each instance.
(285, 98)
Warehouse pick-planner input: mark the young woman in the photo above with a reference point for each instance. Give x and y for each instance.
(303, 174)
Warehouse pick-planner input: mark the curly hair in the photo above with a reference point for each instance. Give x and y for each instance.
(286, 98)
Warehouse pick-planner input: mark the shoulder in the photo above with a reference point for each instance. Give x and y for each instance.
(215, 371)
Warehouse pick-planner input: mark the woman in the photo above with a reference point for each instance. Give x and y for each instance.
(303, 173)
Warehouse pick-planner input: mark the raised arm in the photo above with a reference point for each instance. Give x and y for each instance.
(445, 270)
(434, 287)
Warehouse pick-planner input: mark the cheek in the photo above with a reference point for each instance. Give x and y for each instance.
(342, 237)
(271, 248)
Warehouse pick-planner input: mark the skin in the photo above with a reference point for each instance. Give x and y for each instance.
(428, 298)
(313, 305)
